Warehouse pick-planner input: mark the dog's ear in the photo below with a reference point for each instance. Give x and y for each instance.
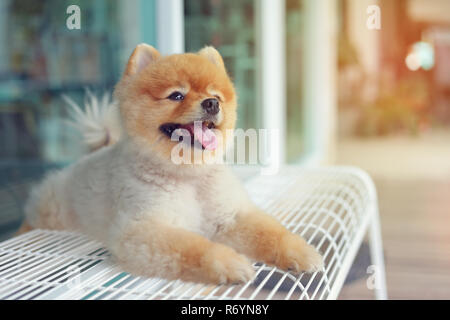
(142, 56)
(212, 55)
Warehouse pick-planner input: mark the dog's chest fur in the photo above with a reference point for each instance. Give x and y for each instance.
(220, 197)
(200, 202)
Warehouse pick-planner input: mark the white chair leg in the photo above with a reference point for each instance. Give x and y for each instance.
(376, 255)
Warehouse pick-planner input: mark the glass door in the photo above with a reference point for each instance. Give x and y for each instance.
(229, 26)
(40, 60)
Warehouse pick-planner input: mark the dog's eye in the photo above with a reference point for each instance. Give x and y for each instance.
(176, 96)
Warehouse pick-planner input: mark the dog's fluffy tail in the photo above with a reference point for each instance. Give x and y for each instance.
(99, 122)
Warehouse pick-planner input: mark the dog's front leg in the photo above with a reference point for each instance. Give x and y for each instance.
(263, 238)
(158, 250)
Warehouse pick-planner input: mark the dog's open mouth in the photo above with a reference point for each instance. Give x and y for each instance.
(201, 133)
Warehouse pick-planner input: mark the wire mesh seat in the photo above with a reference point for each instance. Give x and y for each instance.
(332, 208)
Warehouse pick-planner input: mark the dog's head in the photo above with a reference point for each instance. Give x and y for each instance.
(188, 96)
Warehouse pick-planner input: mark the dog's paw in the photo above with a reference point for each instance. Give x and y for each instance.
(297, 255)
(223, 265)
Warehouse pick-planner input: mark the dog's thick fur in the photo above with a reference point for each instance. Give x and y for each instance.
(190, 222)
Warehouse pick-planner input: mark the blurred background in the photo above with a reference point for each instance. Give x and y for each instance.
(340, 91)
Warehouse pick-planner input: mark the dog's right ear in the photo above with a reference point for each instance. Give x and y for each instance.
(142, 56)
(212, 55)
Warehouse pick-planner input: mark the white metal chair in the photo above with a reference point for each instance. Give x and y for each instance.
(332, 208)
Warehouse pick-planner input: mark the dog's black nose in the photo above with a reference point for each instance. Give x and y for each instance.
(211, 106)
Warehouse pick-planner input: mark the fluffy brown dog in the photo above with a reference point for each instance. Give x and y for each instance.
(193, 222)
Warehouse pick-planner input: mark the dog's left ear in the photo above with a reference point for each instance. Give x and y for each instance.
(141, 57)
(212, 55)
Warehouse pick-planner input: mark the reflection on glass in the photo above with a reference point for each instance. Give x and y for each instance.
(230, 27)
(40, 60)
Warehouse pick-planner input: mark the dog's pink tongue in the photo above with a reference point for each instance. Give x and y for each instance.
(206, 137)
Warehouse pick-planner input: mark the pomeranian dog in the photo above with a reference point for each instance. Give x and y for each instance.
(193, 222)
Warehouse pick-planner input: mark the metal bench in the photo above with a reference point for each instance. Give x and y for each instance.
(333, 208)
